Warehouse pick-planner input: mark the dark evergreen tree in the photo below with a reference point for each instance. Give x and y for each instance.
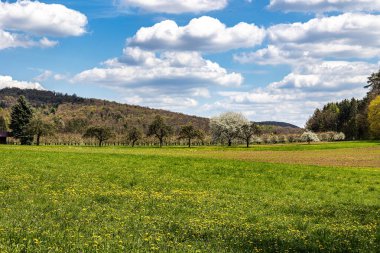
(373, 84)
(21, 116)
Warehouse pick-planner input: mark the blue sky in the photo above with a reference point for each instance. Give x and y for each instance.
(271, 60)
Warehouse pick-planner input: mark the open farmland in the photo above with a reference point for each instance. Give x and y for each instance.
(314, 198)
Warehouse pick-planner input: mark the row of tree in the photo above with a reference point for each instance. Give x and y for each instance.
(27, 124)
(357, 119)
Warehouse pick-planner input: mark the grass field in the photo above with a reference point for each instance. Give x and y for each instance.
(308, 198)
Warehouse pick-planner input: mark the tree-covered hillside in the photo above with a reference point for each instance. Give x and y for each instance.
(73, 114)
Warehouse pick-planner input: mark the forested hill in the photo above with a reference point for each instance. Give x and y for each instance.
(73, 114)
(76, 113)
(278, 124)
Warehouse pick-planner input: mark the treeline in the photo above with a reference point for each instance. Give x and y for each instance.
(29, 125)
(72, 114)
(352, 117)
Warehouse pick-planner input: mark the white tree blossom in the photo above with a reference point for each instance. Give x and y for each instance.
(309, 137)
(227, 126)
(339, 137)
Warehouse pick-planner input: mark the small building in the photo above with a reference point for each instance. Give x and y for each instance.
(4, 136)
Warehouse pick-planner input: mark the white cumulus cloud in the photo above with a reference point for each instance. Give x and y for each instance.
(327, 76)
(175, 6)
(23, 20)
(201, 34)
(8, 82)
(295, 97)
(349, 35)
(42, 19)
(169, 80)
(138, 67)
(324, 5)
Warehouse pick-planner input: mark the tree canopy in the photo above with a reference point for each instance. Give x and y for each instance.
(247, 131)
(159, 129)
(40, 127)
(134, 134)
(189, 132)
(100, 133)
(374, 117)
(227, 126)
(21, 116)
(3, 124)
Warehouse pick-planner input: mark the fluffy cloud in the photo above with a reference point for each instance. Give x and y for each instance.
(175, 6)
(41, 19)
(22, 20)
(342, 37)
(201, 34)
(294, 98)
(324, 5)
(179, 69)
(8, 82)
(169, 80)
(327, 76)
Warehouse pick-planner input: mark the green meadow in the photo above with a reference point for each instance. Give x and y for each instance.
(280, 198)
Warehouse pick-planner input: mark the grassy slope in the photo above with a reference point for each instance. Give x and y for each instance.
(112, 199)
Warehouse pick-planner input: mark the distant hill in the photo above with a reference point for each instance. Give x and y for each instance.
(74, 114)
(276, 123)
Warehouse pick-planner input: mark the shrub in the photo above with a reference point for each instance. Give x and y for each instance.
(274, 139)
(266, 139)
(282, 139)
(339, 137)
(257, 140)
(293, 138)
(309, 137)
(323, 137)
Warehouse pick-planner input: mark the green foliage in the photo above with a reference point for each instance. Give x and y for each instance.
(248, 130)
(76, 125)
(189, 133)
(81, 199)
(3, 124)
(134, 134)
(76, 114)
(374, 85)
(348, 116)
(21, 116)
(40, 127)
(102, 134)
(337, 117)
(374, 117)
(159, 129)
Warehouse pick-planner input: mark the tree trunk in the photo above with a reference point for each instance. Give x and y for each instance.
(161, 142)
(133, 143)
(189, 142)
(230, 143)
(247, 143)
(100, 143)
(38, 140)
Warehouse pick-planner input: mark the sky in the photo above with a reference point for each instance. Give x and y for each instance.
(268, 59)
